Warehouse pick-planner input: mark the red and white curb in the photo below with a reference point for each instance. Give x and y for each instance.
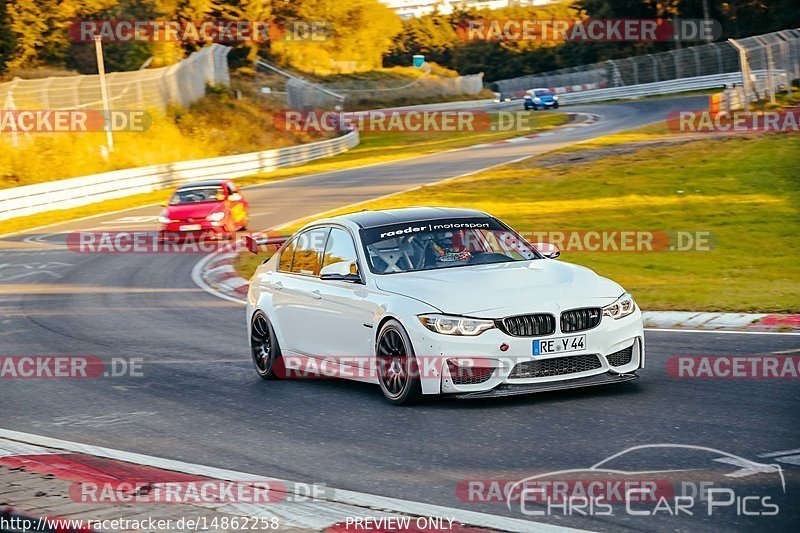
(742, 322)
(82, 463)
(216, 275)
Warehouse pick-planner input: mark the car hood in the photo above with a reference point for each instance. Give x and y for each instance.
(196, 210)
(504, 289)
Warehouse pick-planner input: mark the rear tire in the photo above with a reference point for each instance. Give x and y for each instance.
(264, 347)
(398, 371)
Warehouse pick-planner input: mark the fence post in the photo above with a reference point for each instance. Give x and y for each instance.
(746, 81)
(76, 92)
(696, 60)
(655, 67)
(719, 58)
(9, 105)
(770, 75)
(676, 63)
(44, 95)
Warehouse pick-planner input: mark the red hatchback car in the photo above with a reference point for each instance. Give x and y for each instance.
(213, 208)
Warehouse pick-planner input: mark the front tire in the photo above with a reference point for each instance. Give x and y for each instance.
(264, 347)
(398, 372)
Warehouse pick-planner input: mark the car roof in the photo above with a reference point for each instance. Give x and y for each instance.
(205, 183)
(371, 219)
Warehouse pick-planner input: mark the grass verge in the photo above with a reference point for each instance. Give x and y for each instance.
(744, 191)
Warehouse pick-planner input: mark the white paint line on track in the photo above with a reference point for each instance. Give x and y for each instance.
(725, 331)
(70, 221)
(778, 454)
(346, 497)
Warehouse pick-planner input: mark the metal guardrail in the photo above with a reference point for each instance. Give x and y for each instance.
(698, 83)
(73, 192)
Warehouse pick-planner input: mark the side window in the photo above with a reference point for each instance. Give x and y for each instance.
(340, 247)
(285, 262)
(308, 253)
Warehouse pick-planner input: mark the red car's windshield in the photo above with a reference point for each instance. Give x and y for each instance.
(195, 195)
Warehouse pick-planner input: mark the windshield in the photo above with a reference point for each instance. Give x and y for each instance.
(543, 93)
(197, 194)
(445, 243)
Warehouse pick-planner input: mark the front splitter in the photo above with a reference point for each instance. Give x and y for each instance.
(506, 389)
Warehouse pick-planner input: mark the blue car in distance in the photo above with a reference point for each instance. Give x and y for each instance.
(540, 99)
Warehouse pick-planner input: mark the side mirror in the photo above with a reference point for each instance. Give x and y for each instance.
(341, 271)
(235, 197)
(548, 250)
(257, 244)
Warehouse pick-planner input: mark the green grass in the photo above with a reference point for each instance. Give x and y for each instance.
(645, 133)
(373, 148)
(743, 190)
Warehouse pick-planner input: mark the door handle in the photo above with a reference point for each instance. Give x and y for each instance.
(316, 294)
(277, 285)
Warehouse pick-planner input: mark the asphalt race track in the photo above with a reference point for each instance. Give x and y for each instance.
(200, 400)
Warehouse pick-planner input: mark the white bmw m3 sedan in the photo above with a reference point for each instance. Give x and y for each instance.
(437, 301)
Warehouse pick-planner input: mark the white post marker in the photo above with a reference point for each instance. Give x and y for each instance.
(101, 70)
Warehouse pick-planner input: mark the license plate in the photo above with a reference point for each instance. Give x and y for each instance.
(574, 343)
(190, 227)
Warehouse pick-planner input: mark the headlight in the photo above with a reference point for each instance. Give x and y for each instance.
(455, 325)
(163, 218)
(621, 308)
(216, 217)
(555, 98)
(537, 99)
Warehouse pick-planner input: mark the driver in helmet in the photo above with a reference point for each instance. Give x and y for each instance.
(448, 247)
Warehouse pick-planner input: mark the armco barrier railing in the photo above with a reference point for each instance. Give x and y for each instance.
(670, 87)
(73, 192)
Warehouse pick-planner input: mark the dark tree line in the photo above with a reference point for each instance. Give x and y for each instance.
(435, 35)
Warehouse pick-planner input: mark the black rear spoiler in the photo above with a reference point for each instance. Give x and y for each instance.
(256, 244)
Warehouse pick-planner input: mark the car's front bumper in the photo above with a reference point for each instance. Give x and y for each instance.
(531, 103)
(605, 360)
(199, 229)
